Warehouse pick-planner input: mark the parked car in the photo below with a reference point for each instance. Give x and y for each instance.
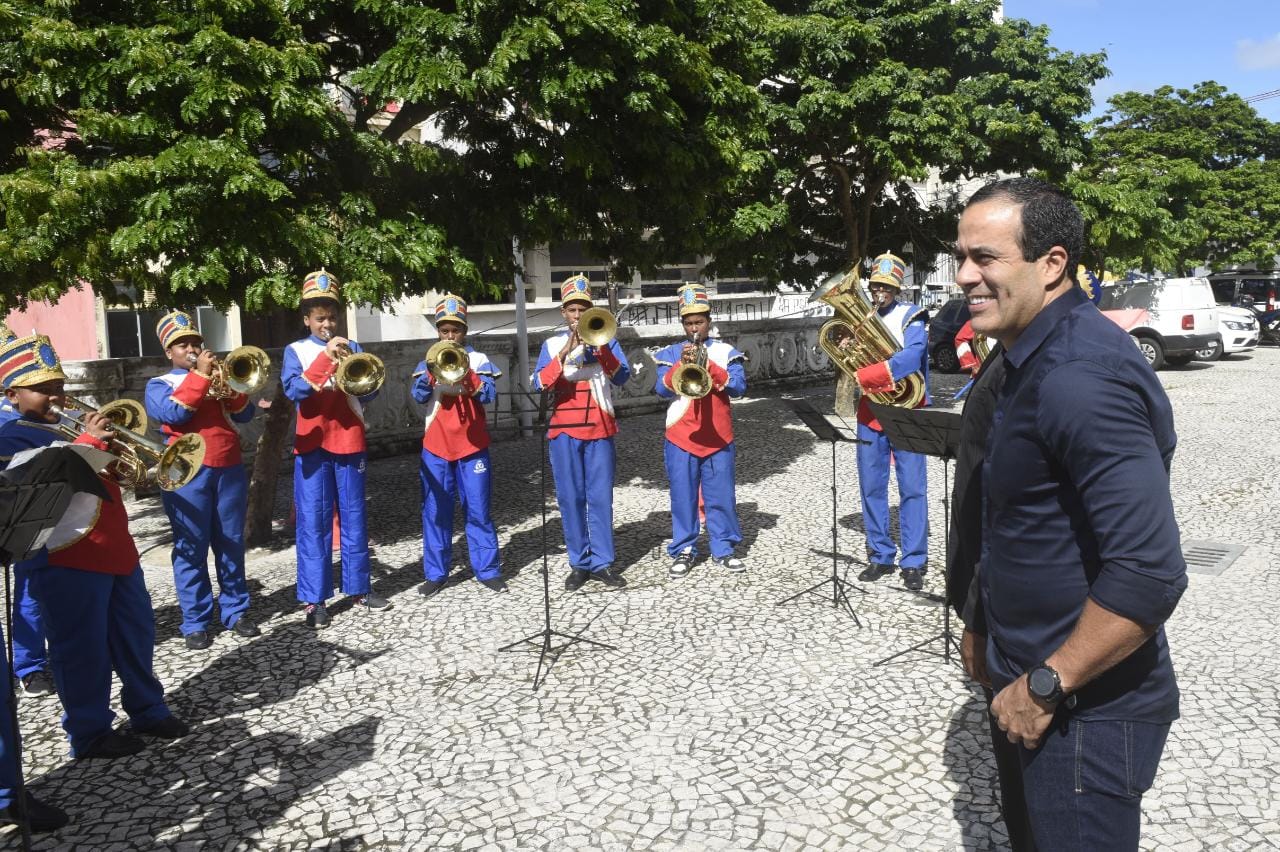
(1263, 288)
(1170, 319)
(943, 328)
(1239, 329)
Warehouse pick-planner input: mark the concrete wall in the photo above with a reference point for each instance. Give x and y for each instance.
(781, 353)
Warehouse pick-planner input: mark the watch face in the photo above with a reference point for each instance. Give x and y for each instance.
(1042, 682)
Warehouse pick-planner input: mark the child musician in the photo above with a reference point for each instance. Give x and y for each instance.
(699, 450)
(455, 458)
(580, 378)
(95, 606)
(210, 509)
(329, 457)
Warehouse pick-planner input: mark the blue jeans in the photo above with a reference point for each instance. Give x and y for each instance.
(1084, 784)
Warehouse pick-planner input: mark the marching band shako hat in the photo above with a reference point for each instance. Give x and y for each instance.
(451, 308)
(576, 288)
(29, 361)
(321, 285)
(693, 299)
(174, 326)
(888, 269)
(1091, 286)
(6, 335)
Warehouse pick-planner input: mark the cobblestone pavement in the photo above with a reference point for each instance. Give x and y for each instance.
(721, 720)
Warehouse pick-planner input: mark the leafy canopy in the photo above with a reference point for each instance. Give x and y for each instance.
(215, 150)
(1180, 178)
(867, 98)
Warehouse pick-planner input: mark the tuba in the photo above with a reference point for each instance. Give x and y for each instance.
(597, 327)
(141, 459)
(447, 361)
(692, 379)
(872, 342)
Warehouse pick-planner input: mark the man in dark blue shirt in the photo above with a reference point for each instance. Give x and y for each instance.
(1081, 562)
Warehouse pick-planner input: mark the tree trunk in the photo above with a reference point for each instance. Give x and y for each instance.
(846, 395)
(266, 469)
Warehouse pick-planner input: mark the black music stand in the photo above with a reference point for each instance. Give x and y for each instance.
(825, 430)
(33, 497)
(542, 639)
(929, 432)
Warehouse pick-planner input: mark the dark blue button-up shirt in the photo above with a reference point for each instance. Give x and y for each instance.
(1076, 477)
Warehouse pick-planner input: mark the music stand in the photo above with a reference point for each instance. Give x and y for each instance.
(827, 431)
(33, 497)
(929, 432)
(542, 639)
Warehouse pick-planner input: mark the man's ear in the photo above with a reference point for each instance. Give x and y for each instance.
(1054, 265)
(11, 394)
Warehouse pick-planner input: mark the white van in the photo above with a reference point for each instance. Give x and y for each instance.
(1170, 319)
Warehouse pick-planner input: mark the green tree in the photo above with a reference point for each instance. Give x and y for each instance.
(866, 98)
(1181, 178)
(212, 150)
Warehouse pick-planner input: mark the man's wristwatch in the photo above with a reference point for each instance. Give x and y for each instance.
(1043, 683)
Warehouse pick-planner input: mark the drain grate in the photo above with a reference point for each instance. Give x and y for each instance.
(1210, 557)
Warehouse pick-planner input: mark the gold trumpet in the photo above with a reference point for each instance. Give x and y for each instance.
(597, 327)
(447, 361)
(141, 459)
(691, 378)
(244, 370)
(359, 373)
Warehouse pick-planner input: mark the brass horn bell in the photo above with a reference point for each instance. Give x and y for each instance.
(447, 361)
(597, 327)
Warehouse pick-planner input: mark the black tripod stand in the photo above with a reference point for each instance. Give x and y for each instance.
(34, 494)
(930, 433)
(542, 640)
(825, 430)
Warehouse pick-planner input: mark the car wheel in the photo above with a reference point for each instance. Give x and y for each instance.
(1211, 353)
(945, 357)
(1152, 351)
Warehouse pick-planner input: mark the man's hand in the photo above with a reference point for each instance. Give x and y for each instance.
(1022, 716)
(571, 344)
(204, 362)
(688, 354)
(973, 653)
(97, 425)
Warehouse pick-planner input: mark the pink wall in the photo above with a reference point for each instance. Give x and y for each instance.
(70, 323)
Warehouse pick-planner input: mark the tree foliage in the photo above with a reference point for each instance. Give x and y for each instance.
(1180, 178)
(865, 98)
(213, 150)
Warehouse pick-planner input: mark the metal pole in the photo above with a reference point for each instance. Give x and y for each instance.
(522, 345)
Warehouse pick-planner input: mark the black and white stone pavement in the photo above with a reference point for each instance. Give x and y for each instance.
(722, 721)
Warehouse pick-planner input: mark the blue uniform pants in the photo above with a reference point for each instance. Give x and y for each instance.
(584, 491)
(467, 480)
(715, 475)
(8, 748)
(913, 510)
(97, 623)
(321, 479)
(28, 627)
(209, 510)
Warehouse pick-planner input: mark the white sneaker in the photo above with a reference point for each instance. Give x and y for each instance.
(731, 563)
(680, 565)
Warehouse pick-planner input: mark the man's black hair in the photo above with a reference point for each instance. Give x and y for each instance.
(1049, 218)
(307, 305)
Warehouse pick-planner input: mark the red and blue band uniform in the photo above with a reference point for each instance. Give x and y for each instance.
(582, 456)
(907, 324)
(329, 467)
(29, 654)
(699, 450)
(209, 510)
(455, 466)
(964, 349)
(94, 604)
